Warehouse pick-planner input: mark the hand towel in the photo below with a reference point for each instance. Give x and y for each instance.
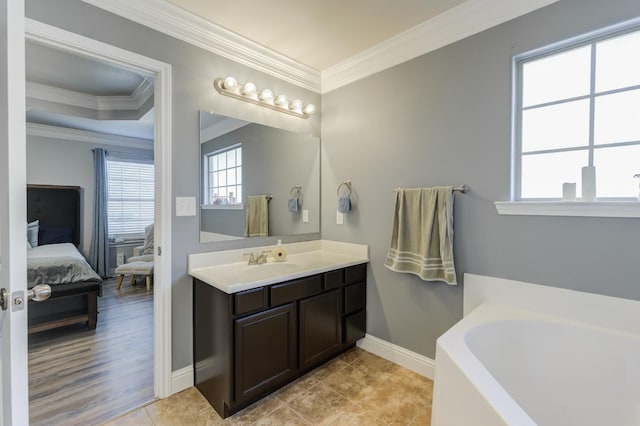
(422, 238)
(344, 204)
(293, 205)
(257, 223)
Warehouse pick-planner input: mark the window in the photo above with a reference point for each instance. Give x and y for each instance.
(223, 177)
(130, 189)
(578, 105)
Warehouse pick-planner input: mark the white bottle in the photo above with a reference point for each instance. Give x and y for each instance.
(279, 253)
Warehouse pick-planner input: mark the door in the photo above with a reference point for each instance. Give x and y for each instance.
(14, 397)
(266, 349)
(320, 328)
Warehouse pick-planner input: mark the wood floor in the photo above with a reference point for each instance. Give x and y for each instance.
(81, 377)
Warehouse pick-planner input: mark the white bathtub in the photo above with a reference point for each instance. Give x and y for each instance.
(506, 365)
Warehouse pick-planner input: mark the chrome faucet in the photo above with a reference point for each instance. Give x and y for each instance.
(259, 259)
(262, 258)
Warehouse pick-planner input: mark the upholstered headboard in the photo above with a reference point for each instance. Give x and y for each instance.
(55, 207)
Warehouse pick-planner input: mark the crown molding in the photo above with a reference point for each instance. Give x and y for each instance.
(220, 128)
(98, 103)
(470, 17)
(75, 135)
(186, 26)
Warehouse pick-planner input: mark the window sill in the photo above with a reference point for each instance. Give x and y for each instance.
(576, 208)
(222, 206)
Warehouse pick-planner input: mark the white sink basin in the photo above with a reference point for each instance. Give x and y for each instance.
(269, 269)
(234, 277)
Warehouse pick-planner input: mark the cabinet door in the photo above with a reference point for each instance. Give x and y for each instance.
(320, 331)
(266, 346)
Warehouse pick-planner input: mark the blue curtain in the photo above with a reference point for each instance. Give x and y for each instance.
(99, 253)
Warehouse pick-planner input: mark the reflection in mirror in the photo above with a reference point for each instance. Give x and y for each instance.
(256, 180)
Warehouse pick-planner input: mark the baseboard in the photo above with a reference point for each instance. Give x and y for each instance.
(181, 379)
(399, 355)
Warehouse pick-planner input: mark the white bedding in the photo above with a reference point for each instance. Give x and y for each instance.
(55, 250)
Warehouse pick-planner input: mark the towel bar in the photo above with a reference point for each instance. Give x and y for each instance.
(464, 188)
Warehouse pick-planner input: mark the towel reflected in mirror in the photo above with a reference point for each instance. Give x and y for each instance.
(257, 223)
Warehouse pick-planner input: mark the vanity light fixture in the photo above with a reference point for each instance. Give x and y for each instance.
(249, 92)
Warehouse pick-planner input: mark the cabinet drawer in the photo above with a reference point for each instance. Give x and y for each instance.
(250, 301)
(333, 279)
(355, 297)
(353, 274)
(355, 326)
(295, 290)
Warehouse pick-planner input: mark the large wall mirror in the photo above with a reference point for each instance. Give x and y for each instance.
(241, 160)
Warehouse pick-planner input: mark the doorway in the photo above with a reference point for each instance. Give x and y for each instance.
(160, 73)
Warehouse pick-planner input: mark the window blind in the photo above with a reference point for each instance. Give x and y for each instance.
(130, 189)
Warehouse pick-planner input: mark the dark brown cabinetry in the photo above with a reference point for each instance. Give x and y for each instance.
(250, 343)
(320, 328)
(265, 352)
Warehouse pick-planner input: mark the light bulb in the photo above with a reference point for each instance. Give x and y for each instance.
(267, 96)
(282, 101)
(296, 105)
(229, 83)
(249, 89)
(310, 109)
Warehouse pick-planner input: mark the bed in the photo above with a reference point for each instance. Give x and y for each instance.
(56, 260)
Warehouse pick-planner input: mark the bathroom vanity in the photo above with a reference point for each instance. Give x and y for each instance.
(258, 327)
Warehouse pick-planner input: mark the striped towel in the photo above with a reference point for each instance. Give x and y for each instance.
(422, 240)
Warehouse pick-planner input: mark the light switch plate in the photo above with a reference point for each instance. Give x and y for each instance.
(185, 206)
(305, 216)
(339, 218)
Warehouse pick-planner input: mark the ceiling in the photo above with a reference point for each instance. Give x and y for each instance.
(318, 45)
(73, 92)
(317, 33)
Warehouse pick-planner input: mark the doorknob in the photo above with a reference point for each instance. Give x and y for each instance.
(4, 299)
(39, 293)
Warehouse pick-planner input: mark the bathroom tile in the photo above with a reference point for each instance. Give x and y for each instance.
(373, 368)
(188, 406)
(137, 417)
(294, 389)
(328, 369)
(320, 405)
(283, 416)
(422, 418)
(351, 355)
(255, 412)
(410, 386)
(357, 388)
(349, 382)
(358, 416)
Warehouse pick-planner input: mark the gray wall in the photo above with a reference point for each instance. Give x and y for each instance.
(443, 119)
(447, 123)
(193, 73)
(273, 161)
(60, 162)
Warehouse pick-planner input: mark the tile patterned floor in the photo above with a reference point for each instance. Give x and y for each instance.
(357, 388)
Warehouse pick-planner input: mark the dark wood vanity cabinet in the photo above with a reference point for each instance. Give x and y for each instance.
(251, 343)
(320, 328)
(265, 352)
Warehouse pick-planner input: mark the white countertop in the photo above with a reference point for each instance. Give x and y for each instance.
(228, 270)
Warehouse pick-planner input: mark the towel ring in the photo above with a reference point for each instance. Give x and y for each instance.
(346, 183)
(295, 190)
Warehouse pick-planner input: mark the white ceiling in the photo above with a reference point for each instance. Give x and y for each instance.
(317, 33)
(74, 92)
(63, 70)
